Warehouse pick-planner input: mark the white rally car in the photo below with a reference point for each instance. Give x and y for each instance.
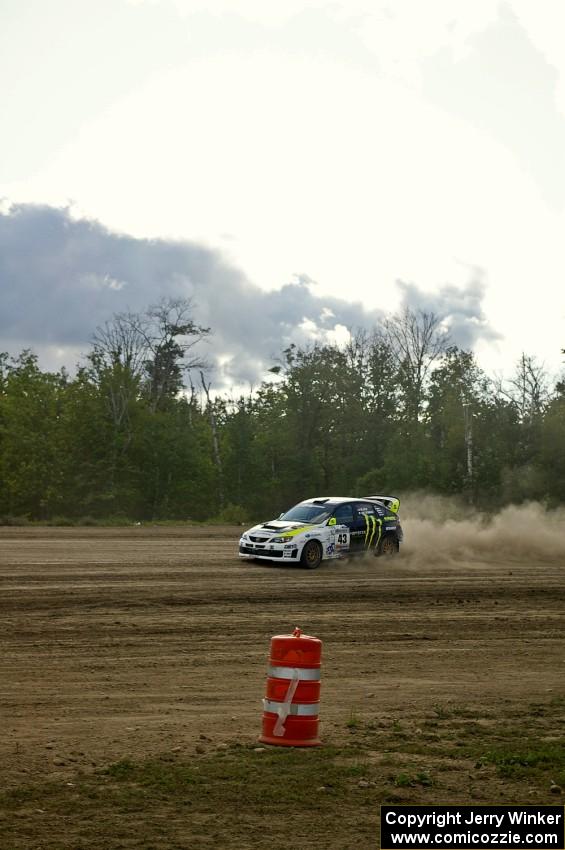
(330, 527)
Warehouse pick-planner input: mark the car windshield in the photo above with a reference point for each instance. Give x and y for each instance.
(308, 513)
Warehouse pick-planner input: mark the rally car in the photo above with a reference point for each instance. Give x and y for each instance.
(329, 527)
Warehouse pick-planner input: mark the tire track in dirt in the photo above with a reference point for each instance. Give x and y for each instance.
(129, 641)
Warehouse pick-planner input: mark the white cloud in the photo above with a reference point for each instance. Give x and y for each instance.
(313, 167)
(545, 25)
(266, 12)
(404, 32)
(94, 280)
(326, 166)
(311, 332)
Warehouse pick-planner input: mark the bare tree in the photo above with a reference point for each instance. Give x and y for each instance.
(153, 349)
(357, 348)
(417, 339)
(169, 335)
(215, 438)
(528, 390)
(117, 363)
(118, 342)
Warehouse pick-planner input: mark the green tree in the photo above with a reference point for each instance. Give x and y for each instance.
(456, 397)
(31, 445)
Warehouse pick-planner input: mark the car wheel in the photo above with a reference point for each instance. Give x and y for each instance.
(388, 546)
(311, 555)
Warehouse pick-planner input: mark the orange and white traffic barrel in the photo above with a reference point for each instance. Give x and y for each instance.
(292, 701)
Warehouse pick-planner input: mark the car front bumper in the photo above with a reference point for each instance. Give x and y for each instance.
(272, 551)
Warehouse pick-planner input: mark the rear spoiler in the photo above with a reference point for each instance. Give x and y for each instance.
(390, 502)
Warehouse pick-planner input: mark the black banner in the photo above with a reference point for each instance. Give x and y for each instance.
(472, 827)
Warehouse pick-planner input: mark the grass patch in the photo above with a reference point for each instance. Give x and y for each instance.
(531, 759)
(409, 780)
(234, 776)
(224, 798)
(354, 721)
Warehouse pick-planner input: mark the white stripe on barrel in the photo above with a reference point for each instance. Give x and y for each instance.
(303, 674)
(301, 709)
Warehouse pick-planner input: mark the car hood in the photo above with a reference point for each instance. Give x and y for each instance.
(278, 526)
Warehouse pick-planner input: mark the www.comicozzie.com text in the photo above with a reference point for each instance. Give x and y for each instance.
(473, 819)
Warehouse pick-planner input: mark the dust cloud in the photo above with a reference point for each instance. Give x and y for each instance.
(437, 529)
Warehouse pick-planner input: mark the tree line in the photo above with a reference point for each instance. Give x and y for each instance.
(138, 433)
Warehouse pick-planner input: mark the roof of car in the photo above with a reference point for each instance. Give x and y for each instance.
(333, 500)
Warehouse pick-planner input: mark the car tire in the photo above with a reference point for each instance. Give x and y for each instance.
(311, 556)
(388, 546)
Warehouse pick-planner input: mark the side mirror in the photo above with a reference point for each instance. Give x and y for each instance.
(332, 521)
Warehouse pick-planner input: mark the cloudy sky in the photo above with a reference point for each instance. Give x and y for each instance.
(296, 167)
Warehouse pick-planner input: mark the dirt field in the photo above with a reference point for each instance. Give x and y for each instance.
(126, 645)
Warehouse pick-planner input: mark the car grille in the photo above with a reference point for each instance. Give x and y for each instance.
(254, 550)
(259, 539)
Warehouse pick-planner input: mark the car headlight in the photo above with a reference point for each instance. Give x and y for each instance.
(281, 539)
